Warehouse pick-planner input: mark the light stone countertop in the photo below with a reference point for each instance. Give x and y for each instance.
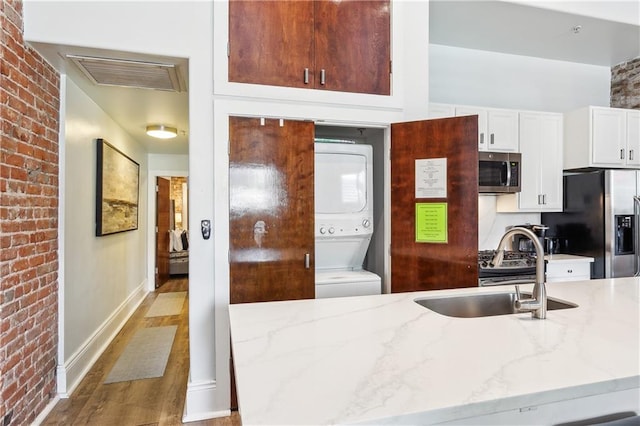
(375, 359)
(567, 258)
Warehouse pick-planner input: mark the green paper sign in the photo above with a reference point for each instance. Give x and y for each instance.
(431, 223)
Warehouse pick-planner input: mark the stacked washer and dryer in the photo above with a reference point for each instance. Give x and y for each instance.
(343, 219)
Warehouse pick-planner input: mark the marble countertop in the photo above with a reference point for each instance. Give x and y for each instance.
(384, 358)
(567, 258)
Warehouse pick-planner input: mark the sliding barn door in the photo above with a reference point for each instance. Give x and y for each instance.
(434, 219)
(271, 210)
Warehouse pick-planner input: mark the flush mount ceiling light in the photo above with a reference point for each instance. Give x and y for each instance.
(161, 131)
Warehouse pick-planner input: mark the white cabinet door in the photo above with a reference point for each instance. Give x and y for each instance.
(502, 128)
(482, 123)
(497, 128)
(608, 137)
(540, 136)
(551, 161)
(530, 135)
(633, 138)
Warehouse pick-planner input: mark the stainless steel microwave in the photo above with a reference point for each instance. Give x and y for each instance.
(499, 172)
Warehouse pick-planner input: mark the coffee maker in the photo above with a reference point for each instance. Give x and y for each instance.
(524, 244)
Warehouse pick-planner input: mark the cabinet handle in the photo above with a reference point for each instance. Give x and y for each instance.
(630, 154)
(307, 260)
(540, 199)
(322, 77)
(482, 138)
(544, 199)
(306, 76)
(622, 154)
(492, 137)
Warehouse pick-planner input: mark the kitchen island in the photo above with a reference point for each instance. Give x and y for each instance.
(387, 360)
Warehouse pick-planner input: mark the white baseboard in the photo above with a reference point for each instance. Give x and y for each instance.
(78, 365)
(199, 402)
(44, 413)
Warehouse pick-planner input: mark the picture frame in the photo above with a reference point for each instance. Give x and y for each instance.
(117, 190)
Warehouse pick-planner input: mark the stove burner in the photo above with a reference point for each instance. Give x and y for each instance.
(515, 266)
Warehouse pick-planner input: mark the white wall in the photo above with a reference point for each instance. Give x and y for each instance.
(104, 277)
(476, 77)
(168, 28)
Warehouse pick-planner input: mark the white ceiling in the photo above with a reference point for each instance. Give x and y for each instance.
(517, 28)
(486, 25)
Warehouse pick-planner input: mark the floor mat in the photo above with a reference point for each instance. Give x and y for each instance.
(167, 304)
(145, 356)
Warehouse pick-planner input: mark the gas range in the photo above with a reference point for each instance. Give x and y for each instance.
(516, 268)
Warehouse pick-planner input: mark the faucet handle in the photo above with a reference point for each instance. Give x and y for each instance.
(518, 295)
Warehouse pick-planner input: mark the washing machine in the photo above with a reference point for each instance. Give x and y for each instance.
(343, 220)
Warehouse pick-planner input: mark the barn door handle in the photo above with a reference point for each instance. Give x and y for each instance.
(307, 260)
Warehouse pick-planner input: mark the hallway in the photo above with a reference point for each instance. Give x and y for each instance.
(158, 401)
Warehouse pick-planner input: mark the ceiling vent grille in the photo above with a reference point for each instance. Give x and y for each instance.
(126, 73)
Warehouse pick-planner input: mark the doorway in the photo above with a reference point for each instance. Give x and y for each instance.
(171, 228)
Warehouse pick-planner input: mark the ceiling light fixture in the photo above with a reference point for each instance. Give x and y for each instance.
(161, 131)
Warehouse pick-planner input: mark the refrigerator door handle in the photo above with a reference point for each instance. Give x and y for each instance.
(636, 248)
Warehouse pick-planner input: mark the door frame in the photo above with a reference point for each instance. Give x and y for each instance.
(151, 220)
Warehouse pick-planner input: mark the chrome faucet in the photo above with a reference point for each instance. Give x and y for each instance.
(537, 305)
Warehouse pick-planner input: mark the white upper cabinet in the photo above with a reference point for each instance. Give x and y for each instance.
(633, 138)
(497, 128)
(602, 137)
(540, 136)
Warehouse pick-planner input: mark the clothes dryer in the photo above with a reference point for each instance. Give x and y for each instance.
(343, 220)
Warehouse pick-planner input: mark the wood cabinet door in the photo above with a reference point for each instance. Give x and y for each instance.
(271, 210)
(271, 42)
(163, 223)
(431, 266)
(352, 46)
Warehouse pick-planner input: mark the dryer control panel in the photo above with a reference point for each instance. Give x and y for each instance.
(344, 227)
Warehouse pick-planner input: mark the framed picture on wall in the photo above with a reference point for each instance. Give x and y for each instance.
(116, 191)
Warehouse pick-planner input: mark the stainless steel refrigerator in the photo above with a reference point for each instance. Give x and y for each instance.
(600, 219)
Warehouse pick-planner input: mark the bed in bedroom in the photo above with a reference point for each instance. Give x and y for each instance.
(179, 252)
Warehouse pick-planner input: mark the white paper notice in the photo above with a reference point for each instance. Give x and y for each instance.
(431, 178)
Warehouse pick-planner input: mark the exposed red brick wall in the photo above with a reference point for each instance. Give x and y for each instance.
(29, 105)
(625, 85)
(176, 195)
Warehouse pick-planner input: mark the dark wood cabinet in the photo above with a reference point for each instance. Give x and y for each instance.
(431, 266)
(271, 210)
(327, 45)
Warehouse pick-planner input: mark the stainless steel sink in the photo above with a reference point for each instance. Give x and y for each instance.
(483, 305)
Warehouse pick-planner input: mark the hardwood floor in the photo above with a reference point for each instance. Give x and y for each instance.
(158, 401)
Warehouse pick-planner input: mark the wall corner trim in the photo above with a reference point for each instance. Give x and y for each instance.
(200, 404)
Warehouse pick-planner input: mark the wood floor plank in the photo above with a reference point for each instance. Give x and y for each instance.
(158, 401)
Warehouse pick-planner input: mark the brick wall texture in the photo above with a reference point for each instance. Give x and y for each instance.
(176, 195)
(625, 85)
(28, 224)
